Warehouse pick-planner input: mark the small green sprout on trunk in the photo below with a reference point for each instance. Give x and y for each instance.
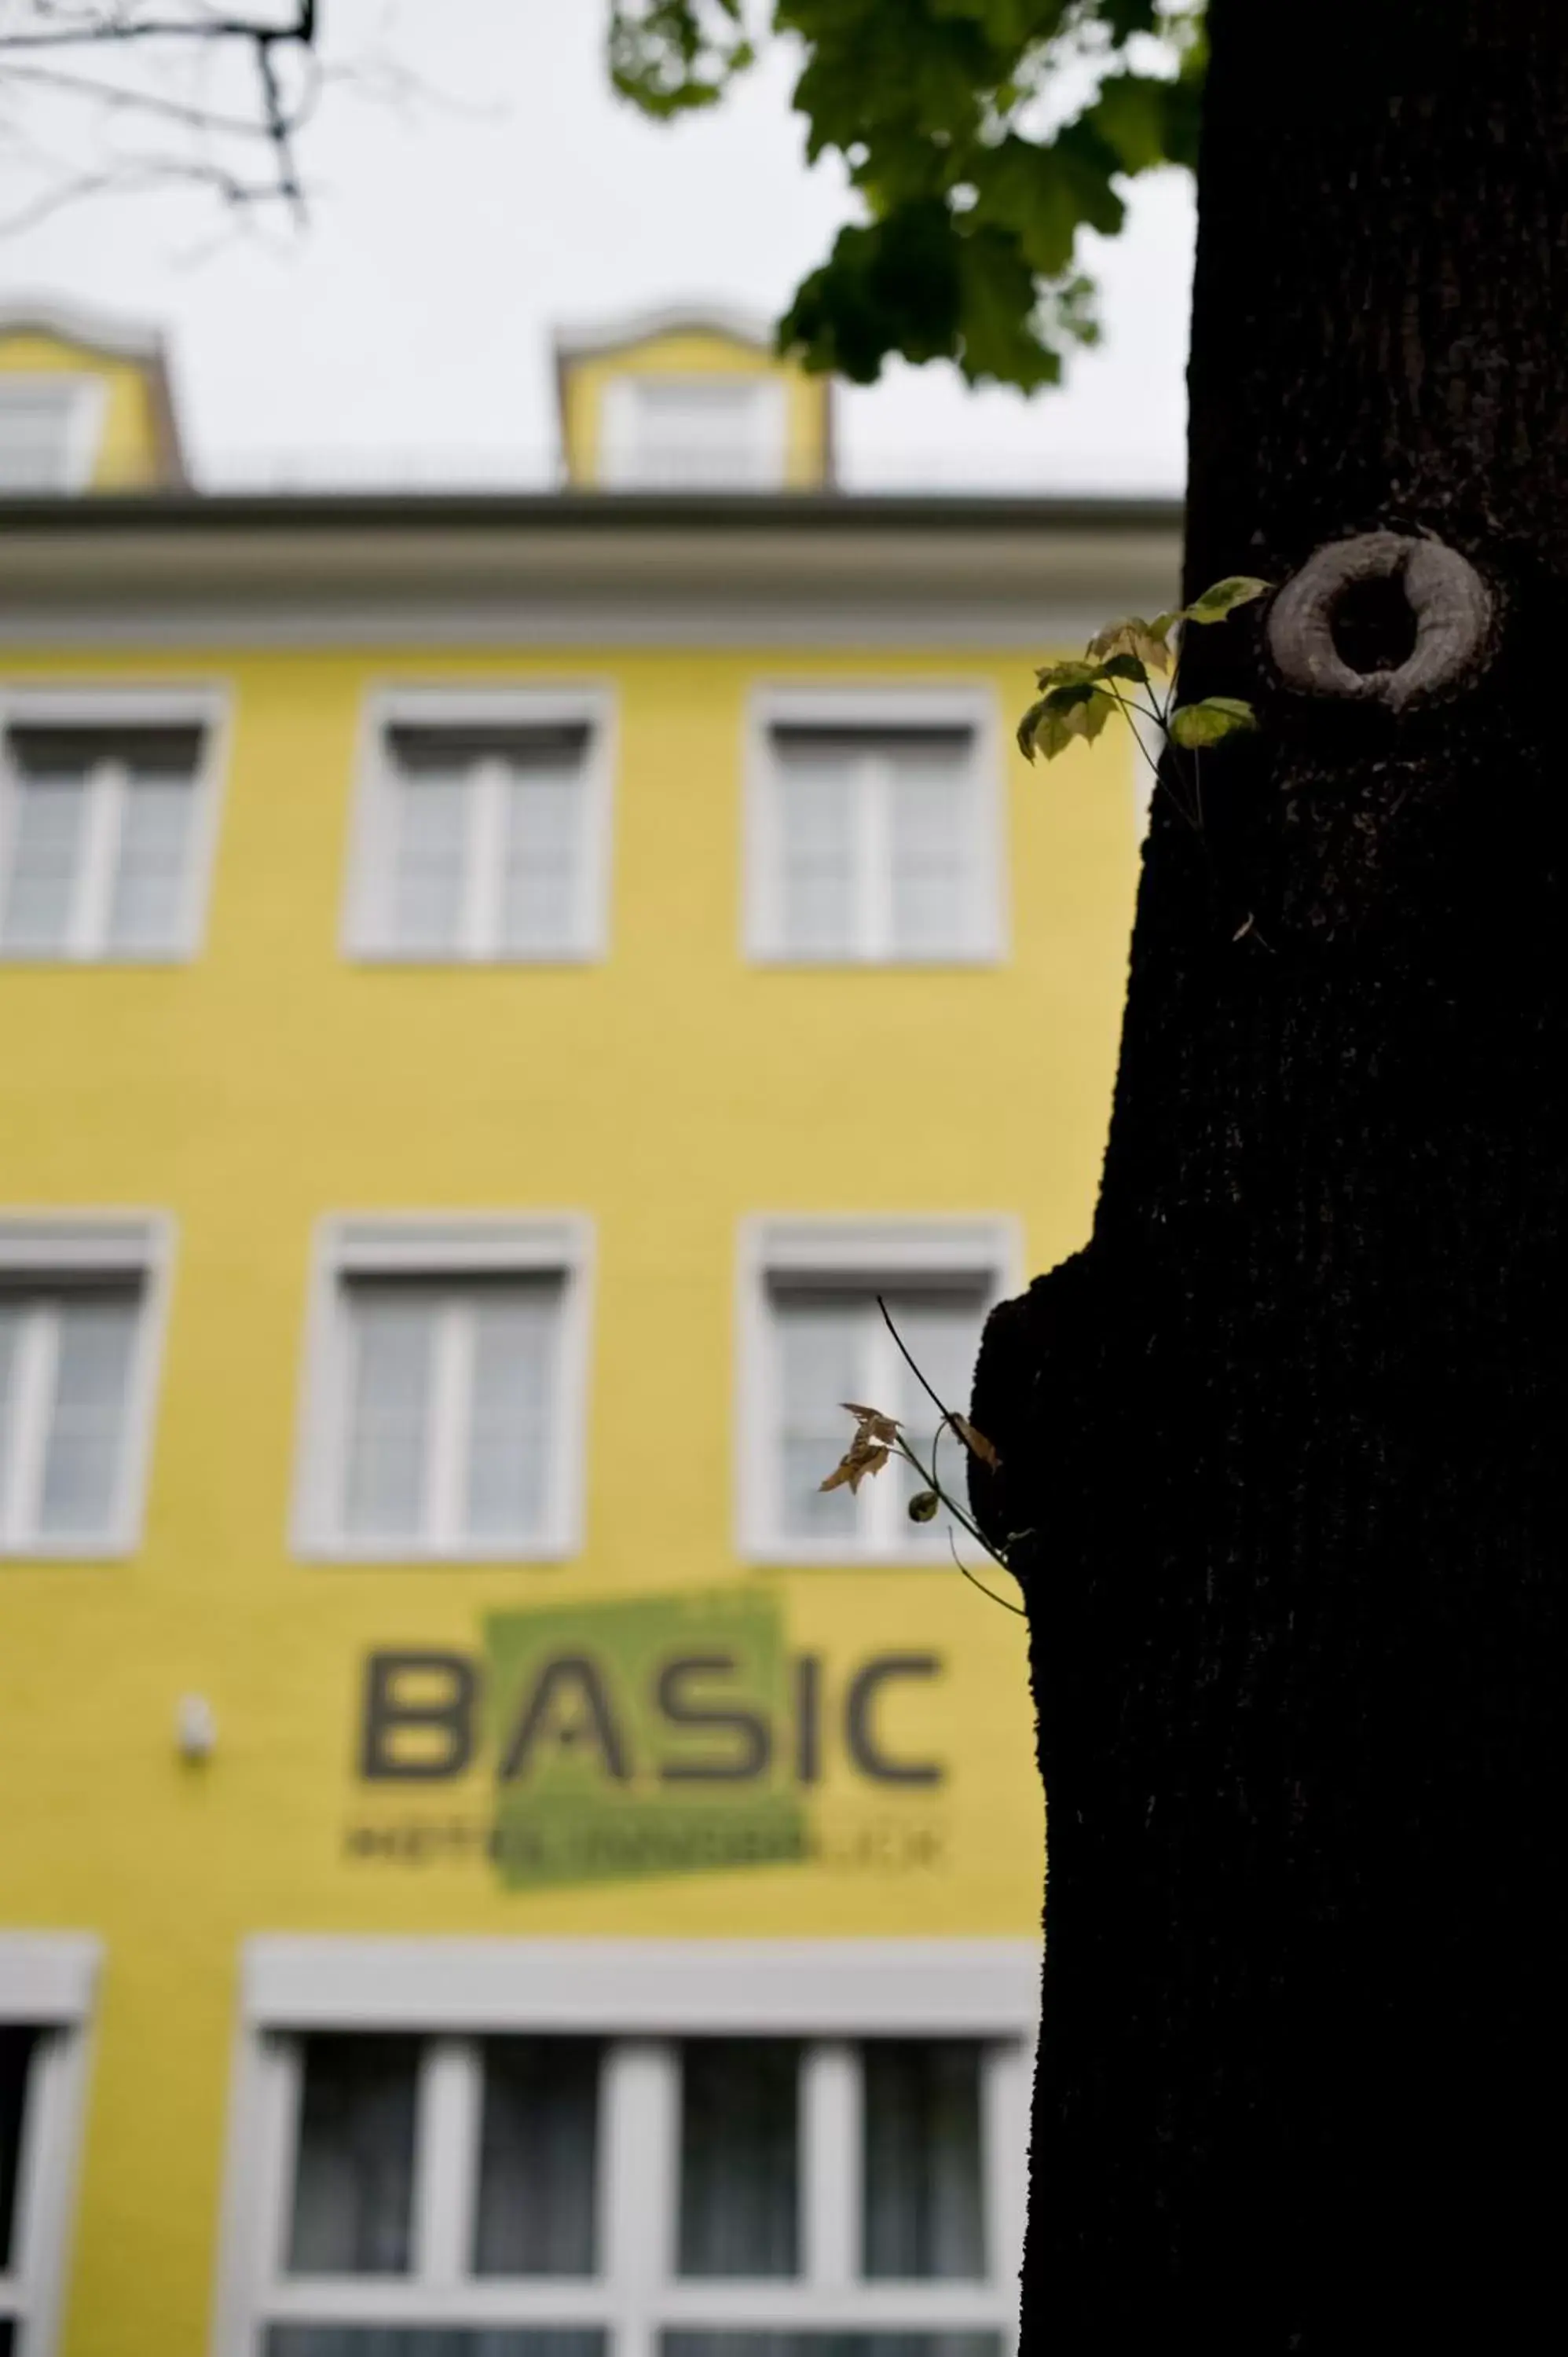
(1118, 673)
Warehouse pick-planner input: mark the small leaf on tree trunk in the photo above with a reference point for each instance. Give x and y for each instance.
(1028, 733)
(1143, 642)
(1087, 712)
(1043, 729)
(1238, 589)
(1126, 667)
(974, 1441)
(1211, 722)
(1078, 709)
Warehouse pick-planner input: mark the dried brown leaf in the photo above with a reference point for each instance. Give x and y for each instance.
(974, 1441)
(872, 1421)
(872, 1462)
(862, 1457)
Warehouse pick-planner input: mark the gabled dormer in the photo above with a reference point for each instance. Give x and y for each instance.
(690, 401)
(85, 404)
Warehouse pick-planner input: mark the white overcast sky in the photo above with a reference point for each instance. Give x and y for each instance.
(403, 336)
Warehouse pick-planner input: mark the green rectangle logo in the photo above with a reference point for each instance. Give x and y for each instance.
(641, 1738)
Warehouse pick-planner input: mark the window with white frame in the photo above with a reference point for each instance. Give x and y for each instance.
(443, 1412)
(45, 1993)
(694, 434)
(105, 828)
(815, 1293)
(79, 1307)
(484, 832)
(48, 430)
(873, 830)
(629, 2149)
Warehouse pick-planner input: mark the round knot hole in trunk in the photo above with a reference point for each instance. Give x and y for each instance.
(1373, 625)
(1381, 619)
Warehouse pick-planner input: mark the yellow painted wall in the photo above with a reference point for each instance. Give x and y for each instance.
(129, 456)
(696, 354)
(668, 1092)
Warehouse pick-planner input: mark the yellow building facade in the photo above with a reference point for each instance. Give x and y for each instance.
(496, 1864)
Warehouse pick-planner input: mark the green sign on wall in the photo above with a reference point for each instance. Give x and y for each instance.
(642, 1738)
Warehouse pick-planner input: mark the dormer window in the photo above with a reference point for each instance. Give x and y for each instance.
(49, 432)
(85, 404)
(690, 400)
(694, 434)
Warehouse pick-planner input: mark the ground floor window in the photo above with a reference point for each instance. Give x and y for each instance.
(46, 1988)
(735, 2160)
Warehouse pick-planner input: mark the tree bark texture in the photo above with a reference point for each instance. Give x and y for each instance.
(1291, 1432)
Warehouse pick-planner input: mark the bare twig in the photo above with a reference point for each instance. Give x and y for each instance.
(945, 1412)
(975, 1581)
(277, 122)
(115, 29)
(109, 25)
(125, 180)
(116, 100)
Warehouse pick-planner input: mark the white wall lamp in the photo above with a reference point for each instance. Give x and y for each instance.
(195, 1727)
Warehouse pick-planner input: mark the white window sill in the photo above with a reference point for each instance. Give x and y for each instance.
(118, 1548)
(860, 961)
(816, 1555)
(520, 1553)
(119, 959)
(591, 953)
(904, 1987)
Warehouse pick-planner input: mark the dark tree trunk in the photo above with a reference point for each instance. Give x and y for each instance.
(1292, 1428)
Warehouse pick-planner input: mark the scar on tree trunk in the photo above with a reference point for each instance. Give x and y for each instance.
(1290, 1430)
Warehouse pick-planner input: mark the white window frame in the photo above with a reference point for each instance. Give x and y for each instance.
(47, 1982)
(623, 464)
(117, 1246)
(644, 1994)
(435, 1245)
(988, 1246)
(205, 708)
(365, 927)
(86, 400)
(961, 704)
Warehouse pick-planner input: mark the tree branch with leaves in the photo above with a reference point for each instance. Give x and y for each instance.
(975, 172)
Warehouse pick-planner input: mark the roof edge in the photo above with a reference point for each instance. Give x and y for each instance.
(202, 513)
(585, 340)
(109, 332)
